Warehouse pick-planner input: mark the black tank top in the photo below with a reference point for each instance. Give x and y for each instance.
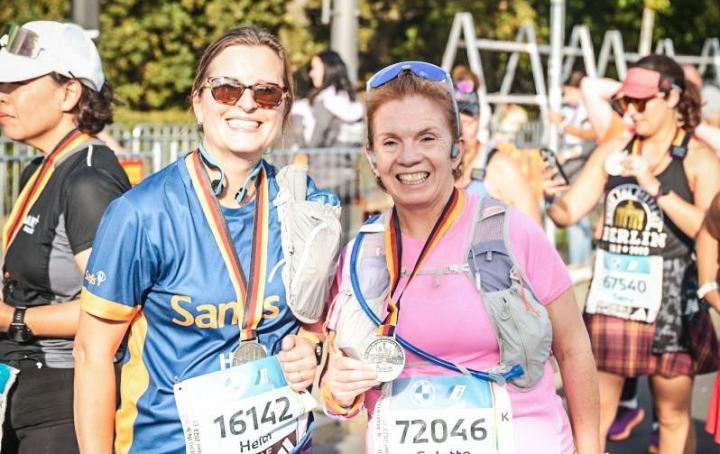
(634, 224)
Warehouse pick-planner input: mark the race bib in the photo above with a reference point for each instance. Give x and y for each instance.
(443, 415)
(244, 409)
(626, 286)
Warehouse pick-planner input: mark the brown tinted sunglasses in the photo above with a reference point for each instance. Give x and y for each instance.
(227, 90)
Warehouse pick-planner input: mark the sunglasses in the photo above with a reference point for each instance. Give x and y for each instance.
(227, 90)
(421, 69)
(21, 41)
(621, 104)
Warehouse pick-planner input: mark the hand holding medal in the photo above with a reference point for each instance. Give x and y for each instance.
(346, 377)
(385, 352)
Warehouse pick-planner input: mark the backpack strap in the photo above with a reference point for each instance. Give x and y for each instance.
(491, 237)
(486, 239)
(680, 151)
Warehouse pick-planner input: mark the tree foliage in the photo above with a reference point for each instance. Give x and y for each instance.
(150, 48)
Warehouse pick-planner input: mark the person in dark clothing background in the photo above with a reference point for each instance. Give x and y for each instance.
(53, 97)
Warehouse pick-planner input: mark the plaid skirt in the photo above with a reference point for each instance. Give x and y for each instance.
(623, 347)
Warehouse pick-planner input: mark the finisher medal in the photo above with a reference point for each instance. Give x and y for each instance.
(614, 163)
(387, 356)
(248, 352)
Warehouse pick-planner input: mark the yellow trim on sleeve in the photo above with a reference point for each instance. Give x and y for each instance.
(134, 381)
(104, 308)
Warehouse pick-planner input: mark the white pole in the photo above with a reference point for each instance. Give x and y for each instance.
(344, 34)
(557, 40)
(646, 31)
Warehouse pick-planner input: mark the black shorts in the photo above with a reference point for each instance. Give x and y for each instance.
(39, 414)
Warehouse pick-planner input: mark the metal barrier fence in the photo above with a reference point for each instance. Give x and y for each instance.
(157, 145)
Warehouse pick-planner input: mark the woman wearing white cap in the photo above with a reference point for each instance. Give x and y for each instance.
(642, 313)
(53, 97)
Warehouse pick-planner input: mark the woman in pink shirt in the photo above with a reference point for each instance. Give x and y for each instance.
(422, 374)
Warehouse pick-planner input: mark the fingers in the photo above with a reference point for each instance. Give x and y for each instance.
(348, 377)
(300, 380)
(297, 359)
(288, 342)
(294, 349)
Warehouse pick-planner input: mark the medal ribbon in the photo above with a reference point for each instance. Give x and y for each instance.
(35, 185)
(393, 256)
(679, 137)
(676, 142)
(250, 298)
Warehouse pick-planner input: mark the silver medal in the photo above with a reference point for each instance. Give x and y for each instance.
(247, 352)
(614, 163)
(387, 356)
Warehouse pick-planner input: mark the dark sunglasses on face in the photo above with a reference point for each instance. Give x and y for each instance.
(227, 90)
(621, 104)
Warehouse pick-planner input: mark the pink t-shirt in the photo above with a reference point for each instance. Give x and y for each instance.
(443, 314)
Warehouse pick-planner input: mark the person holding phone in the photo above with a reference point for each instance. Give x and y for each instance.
(656, 188)
(487, 172)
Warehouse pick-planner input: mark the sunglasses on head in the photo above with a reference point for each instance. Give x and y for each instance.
(227, 90)
(21, 41)
(420, 69)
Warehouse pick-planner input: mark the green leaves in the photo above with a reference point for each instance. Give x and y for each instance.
(150, 48)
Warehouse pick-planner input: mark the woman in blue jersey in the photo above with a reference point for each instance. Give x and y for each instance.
(190, 267)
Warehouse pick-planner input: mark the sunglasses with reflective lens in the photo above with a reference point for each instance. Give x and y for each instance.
(621, 104)
(420, 69)
(227, 90)
(21, 41)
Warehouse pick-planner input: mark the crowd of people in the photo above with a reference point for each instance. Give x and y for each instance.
(193, 312)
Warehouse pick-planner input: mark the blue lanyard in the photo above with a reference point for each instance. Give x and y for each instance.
(500, 378)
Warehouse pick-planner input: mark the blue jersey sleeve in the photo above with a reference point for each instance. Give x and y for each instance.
(121, 266)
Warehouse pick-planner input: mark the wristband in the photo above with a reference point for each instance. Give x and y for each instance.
(309, 335)
(662, 190)
(334, 408)
(706, 288)
(315, 339)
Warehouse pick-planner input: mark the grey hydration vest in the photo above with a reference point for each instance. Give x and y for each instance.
(521, 323)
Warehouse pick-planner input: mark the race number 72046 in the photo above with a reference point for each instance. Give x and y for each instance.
(273, 412)
(419, 431)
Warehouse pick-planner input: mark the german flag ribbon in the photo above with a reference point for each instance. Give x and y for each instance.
(393, 255)
(36, 184)
(676, 142)
(249, 298)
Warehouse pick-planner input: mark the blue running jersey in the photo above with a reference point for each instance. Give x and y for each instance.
(155, 262)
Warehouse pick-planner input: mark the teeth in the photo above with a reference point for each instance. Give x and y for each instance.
(413, 178)
(243, 124)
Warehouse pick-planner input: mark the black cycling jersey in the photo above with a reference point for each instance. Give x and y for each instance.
(40, 267)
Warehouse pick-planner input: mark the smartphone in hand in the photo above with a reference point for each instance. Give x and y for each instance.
(550, 157)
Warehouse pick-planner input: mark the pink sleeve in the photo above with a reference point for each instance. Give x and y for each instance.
(342, 278)
(538, 258)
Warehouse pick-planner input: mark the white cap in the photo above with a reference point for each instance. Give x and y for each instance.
(64, 49)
